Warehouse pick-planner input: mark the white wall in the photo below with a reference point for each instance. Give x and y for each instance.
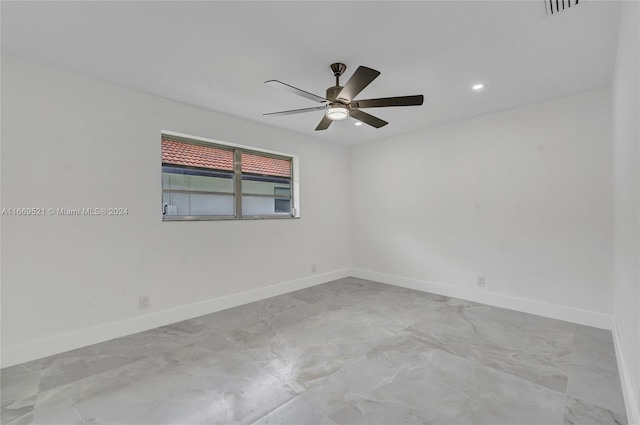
(522, 197)
(70, 141)
(626, 140)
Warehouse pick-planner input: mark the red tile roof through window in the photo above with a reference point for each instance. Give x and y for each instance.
(189, 155)
(196, 156)
(257, 164)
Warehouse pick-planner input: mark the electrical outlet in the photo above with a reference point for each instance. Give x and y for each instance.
(144, 302)
(481, 282)
(313, 268)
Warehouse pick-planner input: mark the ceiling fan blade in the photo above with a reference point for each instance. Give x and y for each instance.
(324, 124)
(284, 86)
(297, 111)
(367, 119)
(388, 101)
(358, 81)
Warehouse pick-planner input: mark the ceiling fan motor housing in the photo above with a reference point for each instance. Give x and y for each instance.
(332, 93)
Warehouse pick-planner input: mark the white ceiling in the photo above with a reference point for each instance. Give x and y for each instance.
(218, 54)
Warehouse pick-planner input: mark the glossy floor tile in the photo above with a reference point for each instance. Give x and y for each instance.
(347, 352)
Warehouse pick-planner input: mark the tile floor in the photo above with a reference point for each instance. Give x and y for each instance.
(347, 352)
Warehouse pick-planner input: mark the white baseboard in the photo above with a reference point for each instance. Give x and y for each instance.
(630, 396)
(553, 311)
(64, 342)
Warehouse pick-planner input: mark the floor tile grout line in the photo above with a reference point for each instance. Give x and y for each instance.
(566, 391)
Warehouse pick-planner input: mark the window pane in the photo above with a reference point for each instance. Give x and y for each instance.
(192, 155)
(174, 181)
(197, 205)
(266, 166)
(283, 199)
(260, 205)
(282, 191)
(253, 185)
(282, 205)
(219, 182)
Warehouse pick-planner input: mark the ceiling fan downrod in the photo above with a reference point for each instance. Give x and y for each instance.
(338, 69)
(332, 92)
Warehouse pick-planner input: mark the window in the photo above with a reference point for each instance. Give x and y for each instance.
(282, 201)
(204, 180)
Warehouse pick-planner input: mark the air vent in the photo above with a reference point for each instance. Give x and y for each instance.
(557, 6)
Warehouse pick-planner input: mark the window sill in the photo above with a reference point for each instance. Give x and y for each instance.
(205, 218)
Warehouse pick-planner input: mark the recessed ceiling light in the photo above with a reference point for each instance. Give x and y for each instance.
(478, 86)
(358, 123)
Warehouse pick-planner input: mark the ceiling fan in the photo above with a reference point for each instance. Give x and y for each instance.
(339, 103)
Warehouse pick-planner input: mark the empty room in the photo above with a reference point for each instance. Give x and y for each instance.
(320, 212)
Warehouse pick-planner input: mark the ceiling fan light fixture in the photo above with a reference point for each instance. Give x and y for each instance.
(337, 112)
(339, 103)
